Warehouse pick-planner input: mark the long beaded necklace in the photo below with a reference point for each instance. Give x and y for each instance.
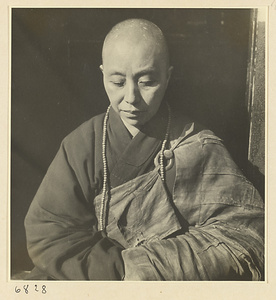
(105, 191)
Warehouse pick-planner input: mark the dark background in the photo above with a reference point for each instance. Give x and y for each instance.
(57, 84)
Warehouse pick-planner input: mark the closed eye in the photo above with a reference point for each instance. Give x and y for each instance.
(148, 83)
(118, 83)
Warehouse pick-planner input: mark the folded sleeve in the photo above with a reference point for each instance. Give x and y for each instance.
(61, 226)
(224, 239)
(214, 251)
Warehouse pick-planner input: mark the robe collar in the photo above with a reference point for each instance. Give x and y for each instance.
(130, 157)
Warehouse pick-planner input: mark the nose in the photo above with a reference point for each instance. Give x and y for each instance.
(132, 95)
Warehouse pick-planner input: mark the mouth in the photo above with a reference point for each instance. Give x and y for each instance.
(132, 112)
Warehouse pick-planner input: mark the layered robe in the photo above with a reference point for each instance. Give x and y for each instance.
(205, 222)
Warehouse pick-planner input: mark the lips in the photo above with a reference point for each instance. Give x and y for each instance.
(132, 112)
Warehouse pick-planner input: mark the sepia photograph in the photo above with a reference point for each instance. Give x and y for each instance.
(138, 144)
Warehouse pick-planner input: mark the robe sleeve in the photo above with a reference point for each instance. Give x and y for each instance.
(225, 236)
(61, 226)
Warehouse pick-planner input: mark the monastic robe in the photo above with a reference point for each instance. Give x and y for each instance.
(204, 223)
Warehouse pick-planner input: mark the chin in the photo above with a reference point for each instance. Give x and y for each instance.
(132, 122)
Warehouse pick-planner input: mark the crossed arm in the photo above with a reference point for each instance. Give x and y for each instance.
(63, 242)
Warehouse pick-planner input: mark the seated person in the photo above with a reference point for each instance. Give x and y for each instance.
(141, 192)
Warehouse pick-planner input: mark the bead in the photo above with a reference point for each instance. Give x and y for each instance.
(168, 154)
(105, 191)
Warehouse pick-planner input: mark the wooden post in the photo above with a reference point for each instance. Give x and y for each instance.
(255, 97)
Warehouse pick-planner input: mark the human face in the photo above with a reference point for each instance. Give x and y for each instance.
(135, 79)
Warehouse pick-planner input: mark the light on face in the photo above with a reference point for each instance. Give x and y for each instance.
(135, 81)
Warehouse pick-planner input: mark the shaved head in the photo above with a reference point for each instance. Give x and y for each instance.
(136, 70)
(137, 32)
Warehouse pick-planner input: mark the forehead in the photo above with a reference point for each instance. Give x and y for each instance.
(130, 53)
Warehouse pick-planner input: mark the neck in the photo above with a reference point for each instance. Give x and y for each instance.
(132, 129)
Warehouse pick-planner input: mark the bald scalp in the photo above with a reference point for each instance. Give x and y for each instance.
(137, 32)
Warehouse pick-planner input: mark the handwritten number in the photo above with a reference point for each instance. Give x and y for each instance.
(44, 289)
(26, 288)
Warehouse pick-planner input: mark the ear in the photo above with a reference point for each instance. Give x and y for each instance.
(101, 68)
(170, 69)
(170, 73)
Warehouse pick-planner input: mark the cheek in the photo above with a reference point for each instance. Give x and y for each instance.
(115, 96)
(153, 97)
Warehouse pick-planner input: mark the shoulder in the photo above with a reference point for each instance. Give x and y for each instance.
(215, 157)
(82, 142)
(201, 146)
(187, 130)
(86, 132)
(206, 136)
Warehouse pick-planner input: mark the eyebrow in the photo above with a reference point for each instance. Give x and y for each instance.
(116, 73)
(149, 71)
